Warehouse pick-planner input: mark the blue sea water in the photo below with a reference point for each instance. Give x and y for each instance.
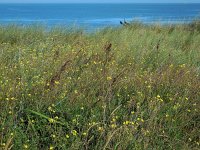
(96, 15)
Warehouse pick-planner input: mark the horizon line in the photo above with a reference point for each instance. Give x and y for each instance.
(100, 3)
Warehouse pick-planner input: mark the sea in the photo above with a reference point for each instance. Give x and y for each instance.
(95, 16)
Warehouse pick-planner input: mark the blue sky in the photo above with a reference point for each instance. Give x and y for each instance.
(99, 1)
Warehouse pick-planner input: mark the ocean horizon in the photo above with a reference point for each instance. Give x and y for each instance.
(93, 16)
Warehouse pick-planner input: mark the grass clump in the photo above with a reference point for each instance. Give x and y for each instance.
(132, 87)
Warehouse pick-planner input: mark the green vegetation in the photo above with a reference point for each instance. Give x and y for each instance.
(131, 87)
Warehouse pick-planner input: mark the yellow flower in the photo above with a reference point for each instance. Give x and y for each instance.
(93, 123)
(113, 120)
(25, 146)
(161, 100)
(51, 120)
(49, 108)
(132, 112)
(12, 98)
(57, 82)
(100, 128)
(76, 92)
(67, 136)
(109, 78)
(126, 122)
(84, 134)
(113, 125)
(74, 132)
(51, 148)
(182, 66)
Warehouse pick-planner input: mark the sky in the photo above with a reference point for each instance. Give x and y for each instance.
(99, 1)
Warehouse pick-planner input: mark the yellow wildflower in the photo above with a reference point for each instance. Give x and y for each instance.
(126, 122)
(25, 146)
(84, 134)
(109, 78)
(100, 128)
(113, 125)
(132, 112)
(51, 120)
(57, 82)
(76, 92)
(74, 132)
(158, 96)
(67, 136)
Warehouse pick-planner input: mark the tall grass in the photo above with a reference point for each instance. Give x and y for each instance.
(133, 87)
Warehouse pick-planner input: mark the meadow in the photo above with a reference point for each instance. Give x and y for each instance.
(131, 87)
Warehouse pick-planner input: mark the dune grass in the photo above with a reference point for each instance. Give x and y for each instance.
(133, 87)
